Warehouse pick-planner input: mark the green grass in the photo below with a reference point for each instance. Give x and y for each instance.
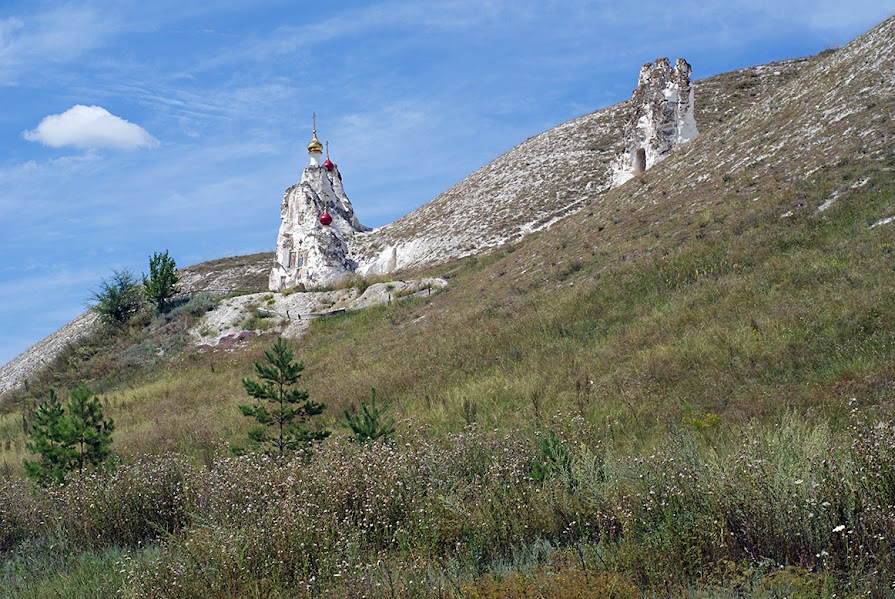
(55, 575)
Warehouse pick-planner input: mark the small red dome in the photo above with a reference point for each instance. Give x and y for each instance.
(325, 219)
(328, 165)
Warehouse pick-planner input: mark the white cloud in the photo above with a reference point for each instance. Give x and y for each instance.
(90, 127)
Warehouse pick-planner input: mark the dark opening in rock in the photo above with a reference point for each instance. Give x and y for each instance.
(640, 160)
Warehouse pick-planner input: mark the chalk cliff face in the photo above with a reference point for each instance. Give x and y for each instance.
(546, 178)
(309, 253)
(661, 117)
(529, 188)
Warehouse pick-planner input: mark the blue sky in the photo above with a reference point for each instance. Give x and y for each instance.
(133, 127)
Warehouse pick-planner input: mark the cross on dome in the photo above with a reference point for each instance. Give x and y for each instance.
(315, 147)
(328, 165)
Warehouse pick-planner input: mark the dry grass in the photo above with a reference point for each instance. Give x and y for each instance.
(784, 508)
(263, 259)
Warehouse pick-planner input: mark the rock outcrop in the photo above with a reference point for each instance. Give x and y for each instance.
(290, 314)
(317, 222)
(661, 117)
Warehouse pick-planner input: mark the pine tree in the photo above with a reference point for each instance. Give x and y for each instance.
(89, 433)
(281, 425)
(67, 438)
(161, 284)
(48, 439)
(366, 426)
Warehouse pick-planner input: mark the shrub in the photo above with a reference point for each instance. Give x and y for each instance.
(785, 509)
(553, 460)
(367, 426)
(118, 298)
(19, 514)
(258, 320)
(195, 306)
(138, 502)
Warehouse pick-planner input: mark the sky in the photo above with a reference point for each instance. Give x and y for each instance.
(130, 127)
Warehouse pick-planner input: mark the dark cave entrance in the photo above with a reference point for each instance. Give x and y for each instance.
(640, 161)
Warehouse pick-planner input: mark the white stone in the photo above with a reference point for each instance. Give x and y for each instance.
(25, 365)
(290, 314)
(661, 117)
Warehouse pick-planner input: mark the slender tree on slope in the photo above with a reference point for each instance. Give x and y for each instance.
(280, 408)
(368, 425)
(161, 284)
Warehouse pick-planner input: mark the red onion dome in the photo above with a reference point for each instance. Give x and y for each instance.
(328, 165)
(325, 219)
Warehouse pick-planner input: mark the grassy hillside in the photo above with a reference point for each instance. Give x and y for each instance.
(684, 388)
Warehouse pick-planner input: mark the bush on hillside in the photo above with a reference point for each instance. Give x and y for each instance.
(368, 424)
(118, 298)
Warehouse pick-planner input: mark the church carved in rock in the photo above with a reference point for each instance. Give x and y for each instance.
(317, 223)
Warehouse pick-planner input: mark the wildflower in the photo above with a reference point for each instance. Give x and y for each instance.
(839, 528)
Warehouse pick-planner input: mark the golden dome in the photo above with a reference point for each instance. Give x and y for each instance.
(315, 147)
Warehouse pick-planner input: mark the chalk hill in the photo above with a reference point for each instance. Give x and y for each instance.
(781, 145)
